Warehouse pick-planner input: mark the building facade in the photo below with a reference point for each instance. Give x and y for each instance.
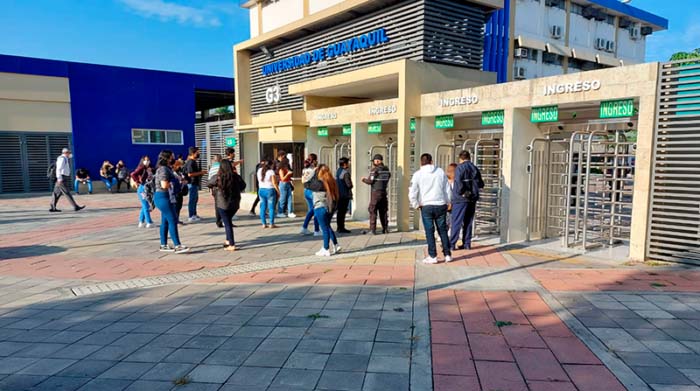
(101, 112)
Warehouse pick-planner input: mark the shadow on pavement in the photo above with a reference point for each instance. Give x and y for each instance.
(16, 252)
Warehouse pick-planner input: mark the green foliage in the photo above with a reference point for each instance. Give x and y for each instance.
(694, 55)
(222, 110)
(500, 323)
(317, 316)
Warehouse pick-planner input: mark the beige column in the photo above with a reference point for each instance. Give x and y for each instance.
(643, 171)
(408, 106)
(518, 131)
(360, 143)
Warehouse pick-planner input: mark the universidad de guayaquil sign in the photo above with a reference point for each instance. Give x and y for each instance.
(354, 44)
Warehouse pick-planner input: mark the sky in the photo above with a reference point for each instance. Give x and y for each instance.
(196, 36)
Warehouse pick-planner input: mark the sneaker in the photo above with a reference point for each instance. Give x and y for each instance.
(166, 249)
(181, 249)
(149, 225)
(344, 231)
(305, 231)
(318, 233)
(430, 260)
(291, 215)
(141, 225)
(192, 219)
(197, 217)
(448, 258)
(337, 248)
(281, 215)
(323, 253)
(252, 213)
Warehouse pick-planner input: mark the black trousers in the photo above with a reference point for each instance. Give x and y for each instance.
(255, 203)
(378, 204)
(59, 189)
(343, 204)
(124, 181)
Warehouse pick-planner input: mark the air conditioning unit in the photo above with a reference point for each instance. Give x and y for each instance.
(646, 30)
(635, 33)
(555, 31)
(601, 43)
(522, 53)
(610, 46)
(519, 73)
(624, 23)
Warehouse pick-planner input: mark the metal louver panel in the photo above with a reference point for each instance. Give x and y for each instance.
(26, 157)
(674, 226)
(38, 160)
(11, 179)
(210, 137)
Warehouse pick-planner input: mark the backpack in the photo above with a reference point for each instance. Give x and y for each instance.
(51, 171)
(472, 186)
(149, 189)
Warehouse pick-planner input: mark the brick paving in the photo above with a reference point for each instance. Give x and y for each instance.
(617, 280)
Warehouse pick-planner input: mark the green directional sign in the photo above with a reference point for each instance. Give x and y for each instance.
(347, 130)
(444, 121)
(231, 141)
(617, 108)
(374, 127)
(413, 125)
(494, 117)
(322, 131)
(544, 114)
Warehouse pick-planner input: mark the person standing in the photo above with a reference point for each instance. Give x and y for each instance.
(227, 186)
(325, 196)
(82, 175)
(465, 194)
(194, 174)
(428, 193)
(184, 189)
(256, 186)
(167, 183)
(107, 175)
(379, 203)
(307, 174)
(281, 158)
(343, 179)
(140, 175)
(213, 170)
(286, 190)
(122, 176)
(62, 177)
(231, 156)
(269, 191)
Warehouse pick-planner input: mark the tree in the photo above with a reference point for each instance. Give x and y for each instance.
(222, 110)
(695, 54)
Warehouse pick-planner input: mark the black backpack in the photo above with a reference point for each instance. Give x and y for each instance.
(149, 188)
(51, 171)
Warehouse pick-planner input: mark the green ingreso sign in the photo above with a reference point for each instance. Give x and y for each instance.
(544, 114)
(617, 108)
(374, 127)
(444, 121)
(347, 130)
(322, 131)
(494, 117)
(231, 141)
(412, 125)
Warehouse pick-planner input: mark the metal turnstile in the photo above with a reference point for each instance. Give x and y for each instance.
(488, 157)
(330, 154)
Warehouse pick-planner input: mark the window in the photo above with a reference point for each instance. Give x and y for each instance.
(156, 136)
(270, 150)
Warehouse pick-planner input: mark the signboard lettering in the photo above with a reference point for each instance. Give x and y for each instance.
(494, 117)
(374, 127)
(544, 114)
(444, 121)
(322, 131)
(326, 116)
(459, 101)
(231, 142)
(568, 88)
(617, 108)
(379, 110)
(347, 130)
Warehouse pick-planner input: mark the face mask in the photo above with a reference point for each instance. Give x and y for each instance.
(70, 156)
(146, 162)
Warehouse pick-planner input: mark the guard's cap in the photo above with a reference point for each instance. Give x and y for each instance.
(378, 157)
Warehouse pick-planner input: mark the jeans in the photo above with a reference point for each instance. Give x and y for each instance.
(168, 221)
(145, 215)
(324, 220)
(267, 204)
(194, 197)
(309, 197)
(109, 182)
(77, 183)
(435, 216)
(226, 216)
(285, 204)
(462, 220)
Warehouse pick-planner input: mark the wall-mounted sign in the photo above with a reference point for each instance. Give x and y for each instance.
(379, 110)
(231, 142)
(494, 117)
(326, 116)
(322, 131)
(444, 121)
(617, 108)
(412, 125)
(459, 101)
(374, 127)
(348, 46)
(544, 114)
(272, 95)
(569, 88)
(347, 130)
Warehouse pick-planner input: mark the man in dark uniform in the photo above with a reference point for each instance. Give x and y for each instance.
(344, 181)
(378, 179)
(465, 194)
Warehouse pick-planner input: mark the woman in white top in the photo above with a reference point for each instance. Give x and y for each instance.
(268, 191)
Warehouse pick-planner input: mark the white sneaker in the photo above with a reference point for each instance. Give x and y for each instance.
(281, 215)
(197, 218)
(305, 231)
(149, 225)
(318, 233)
(337, 249)
(323, 253)
(430, 260)
(192, 219)
(140, 225)
(448, 258)
(291, 215)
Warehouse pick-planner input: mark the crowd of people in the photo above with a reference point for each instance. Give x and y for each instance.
(447, 201)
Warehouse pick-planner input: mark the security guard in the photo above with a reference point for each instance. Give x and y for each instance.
(378, 179)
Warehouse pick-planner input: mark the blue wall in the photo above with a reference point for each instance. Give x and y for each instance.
(107, 102)
(496, 42)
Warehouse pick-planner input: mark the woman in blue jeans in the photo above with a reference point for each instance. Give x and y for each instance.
(325, 193)
(140, 176)
(165, 182)
(268, 191)
(307, 174)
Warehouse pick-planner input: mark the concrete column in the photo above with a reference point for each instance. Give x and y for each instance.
(518, 131)
(360, 143)
(408, 106)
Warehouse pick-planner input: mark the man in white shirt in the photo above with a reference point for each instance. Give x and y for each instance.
(428, 193)
(62, 178)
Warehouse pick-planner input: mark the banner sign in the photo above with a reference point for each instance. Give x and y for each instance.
(544, 114)
(444, 121)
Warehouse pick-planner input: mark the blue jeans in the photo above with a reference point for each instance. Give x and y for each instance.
(109, 182)
(194, 198)
(168, 221)
(462, 221)
(324, 220)
(77, 185)
(267, 204)
(435, 216)
(145, 215)
(309, 197)
(285, 204)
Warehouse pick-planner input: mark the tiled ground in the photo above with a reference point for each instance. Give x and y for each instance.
(617, 280)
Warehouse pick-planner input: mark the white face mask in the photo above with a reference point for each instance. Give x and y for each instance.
(146, 162)
(70, 156)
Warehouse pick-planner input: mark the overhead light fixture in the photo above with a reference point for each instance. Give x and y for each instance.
(266, 51)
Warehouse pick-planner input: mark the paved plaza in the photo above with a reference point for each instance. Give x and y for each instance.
(88, 303)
